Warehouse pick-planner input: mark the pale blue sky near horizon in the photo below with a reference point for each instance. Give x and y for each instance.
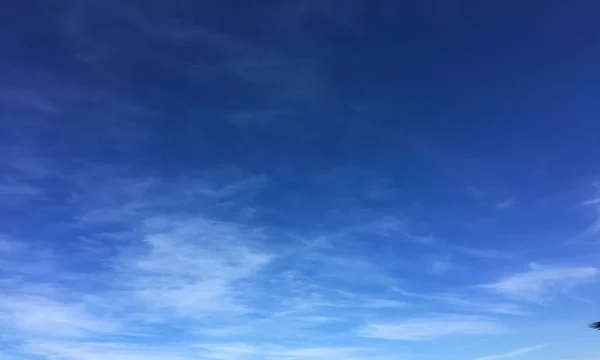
(301, 179)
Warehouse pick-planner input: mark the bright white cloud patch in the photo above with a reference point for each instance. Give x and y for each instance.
(41, 316)
(542, 282)
(192, 266)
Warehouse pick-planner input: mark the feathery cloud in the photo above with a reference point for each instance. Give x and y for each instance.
(513, 353)
(430, 328)
(542, 282)
(41, 316)
(181, 268)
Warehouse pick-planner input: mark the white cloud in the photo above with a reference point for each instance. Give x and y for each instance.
(384, 303)
(179, 267)
(192, 266)
(232, 351)
(167, 264)
(225, 331)
(430, 328)
(316, 353)
(594, 203)
(464, 303)
(19, 259)
(507, 309)
(39, 316)
(513, 353)
(540, 283)
(97, 350)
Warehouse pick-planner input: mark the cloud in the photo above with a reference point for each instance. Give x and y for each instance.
(225, 331)
(98, 350)
(150, 263)
(513, 353)
(182, 268)
(385, 303)
(317, 353)
(542, 282)
(394, 227)
(19, 190)
(484, 254)
(154, 41)
(507, 204)
(179, 351)
(8, 245)
(440, 266)
(231, 351)
(202, 275)
(463, 302)
(41, 316)
(146, 262)
(160, 256)
(38, 297)
(594, 203)
(430, 328)
(23, 261)
(507, 309)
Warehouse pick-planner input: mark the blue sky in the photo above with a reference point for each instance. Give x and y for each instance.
(223, 180)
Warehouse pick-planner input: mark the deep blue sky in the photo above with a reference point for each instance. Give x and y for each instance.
(299, 179)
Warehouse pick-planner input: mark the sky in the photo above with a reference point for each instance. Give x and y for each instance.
(299, 179)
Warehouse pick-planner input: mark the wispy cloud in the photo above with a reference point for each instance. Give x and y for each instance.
(440, 266)
(594, 204)
(430, 328)
(41, 316)
(506, 204)
(167, 194)
(400, 228)
(19, 190)
(180, 267)
(513, 353)
(385, 303)
(189, 271)
(213, 277)
(464, 302)
(186, 351)
(243, 351)
(542, 282)
(97, 350)
(486, 254)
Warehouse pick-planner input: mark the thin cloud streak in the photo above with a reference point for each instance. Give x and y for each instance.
(513, 353)
(430, 328)
(541, 283)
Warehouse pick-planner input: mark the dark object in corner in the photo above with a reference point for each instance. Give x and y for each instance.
(595, 325)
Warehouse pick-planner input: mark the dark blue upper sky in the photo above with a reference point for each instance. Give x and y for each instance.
(444, 151)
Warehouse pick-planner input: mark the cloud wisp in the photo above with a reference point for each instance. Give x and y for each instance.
(200, 180)
(431, 328)
(161, 260)
(514, 353)
(148, 266)
(541, 283)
